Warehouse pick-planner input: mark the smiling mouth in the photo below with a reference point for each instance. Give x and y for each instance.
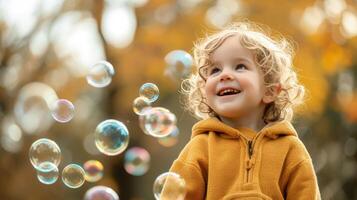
(227, 92)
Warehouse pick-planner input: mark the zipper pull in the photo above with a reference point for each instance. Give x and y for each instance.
(250, 148)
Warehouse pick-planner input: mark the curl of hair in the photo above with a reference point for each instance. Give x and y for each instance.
(273, 56)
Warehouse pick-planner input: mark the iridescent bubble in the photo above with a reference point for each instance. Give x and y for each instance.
(101, 193)
(137, 161)
(100, 74)
(149, 91)
(171, 139)
(73, 176)
(62, 110)
(48, 174)
(169, 185)
(159, 122)
(179, 64)
(111, 137)
(140, 105)
(94, 170)
(44, 150)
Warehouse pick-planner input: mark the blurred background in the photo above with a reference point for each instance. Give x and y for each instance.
(46, 48)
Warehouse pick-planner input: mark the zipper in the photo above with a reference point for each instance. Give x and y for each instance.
(250, 148)
(249, 163)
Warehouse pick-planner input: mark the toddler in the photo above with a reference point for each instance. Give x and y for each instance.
(244, 147)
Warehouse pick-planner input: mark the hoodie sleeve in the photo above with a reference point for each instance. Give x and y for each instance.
(302, 183)
(191, 165)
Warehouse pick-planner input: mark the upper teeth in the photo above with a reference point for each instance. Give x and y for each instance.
(225, 91)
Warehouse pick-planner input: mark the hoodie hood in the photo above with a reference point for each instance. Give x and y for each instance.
(272, 130)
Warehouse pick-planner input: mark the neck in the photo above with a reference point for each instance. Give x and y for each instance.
(253, 121)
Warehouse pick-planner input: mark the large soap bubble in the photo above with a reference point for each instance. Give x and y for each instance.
(44, 150)
(111, 137)
(169, 185)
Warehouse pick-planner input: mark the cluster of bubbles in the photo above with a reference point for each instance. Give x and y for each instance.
(155, 121)
(45, 157)
(111, 137)
(160, 123)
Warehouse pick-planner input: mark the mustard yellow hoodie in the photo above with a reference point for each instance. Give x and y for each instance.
(221, 162)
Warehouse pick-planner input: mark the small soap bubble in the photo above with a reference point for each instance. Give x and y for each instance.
(101, 193)
(44, 150)
(169, 185)
(159, 122)
(149, 91)
(73, 176)
(140, 104)
(171, 139)
(179, 64)
(48, 174)
(100, 75)
(137, 161)
(94, 170)
(62, 110)
(111, 137)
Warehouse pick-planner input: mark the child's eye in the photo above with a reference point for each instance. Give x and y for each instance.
(240, 67)
(213, 70)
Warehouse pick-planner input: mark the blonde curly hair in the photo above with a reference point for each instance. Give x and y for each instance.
(273, 56)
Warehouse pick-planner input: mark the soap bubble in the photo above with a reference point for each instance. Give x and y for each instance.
(140, 105)
(44, 150)
(179, 64)
(48, 174)
(111, 137)
(149, 91)
(169, 185)
(100, 74)
(137, 161)
(73, 176)
(101, 193)
(94, 170)
(171, 139)
(159, 122)
(62, 110)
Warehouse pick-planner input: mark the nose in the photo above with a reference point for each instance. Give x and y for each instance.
(226, 75)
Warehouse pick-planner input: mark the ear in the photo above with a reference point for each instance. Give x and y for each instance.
(271, 93)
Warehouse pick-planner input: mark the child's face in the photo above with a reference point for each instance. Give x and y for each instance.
(234, 83)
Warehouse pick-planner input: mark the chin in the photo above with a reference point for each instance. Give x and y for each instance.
(229, 114)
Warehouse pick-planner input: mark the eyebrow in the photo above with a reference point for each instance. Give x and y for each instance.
(240, 59)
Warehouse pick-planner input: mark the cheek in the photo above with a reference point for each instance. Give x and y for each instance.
(208, 89)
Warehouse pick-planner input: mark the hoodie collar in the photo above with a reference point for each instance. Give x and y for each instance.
(272, 130)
